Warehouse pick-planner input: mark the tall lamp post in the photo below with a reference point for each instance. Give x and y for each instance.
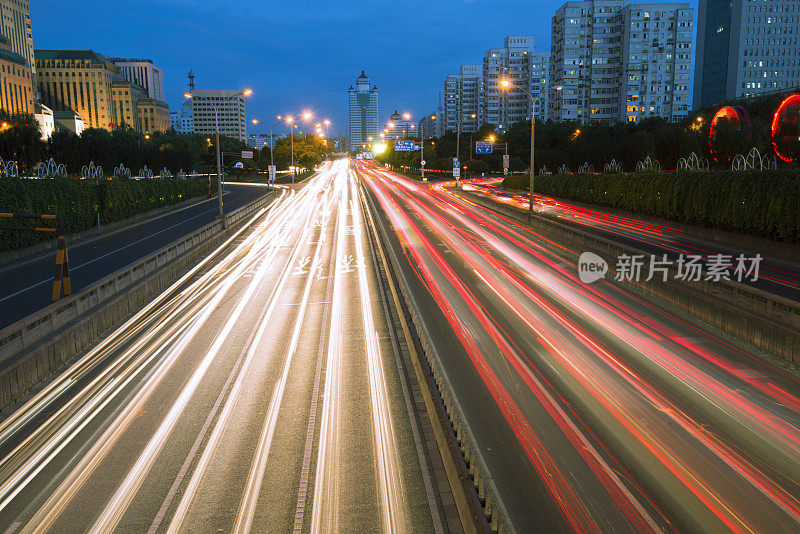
(190, 96)
(271, 141)
(290, 120)
(505, 84)
(407, 116)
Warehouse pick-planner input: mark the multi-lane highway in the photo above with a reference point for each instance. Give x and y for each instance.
(26, 286)
(776, 275)
(261, 393)
(594, 410)
(265, 391)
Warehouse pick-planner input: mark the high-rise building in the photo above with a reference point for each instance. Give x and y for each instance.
(16, 84)
(78, 81)
(433, 124)
(363, 104)
(656, 61)
(513, 62)
(144, 73)
(613, 62)
(540, 73)
(15, 25)
(397, 127)
(464, 99)
(230, 108)
(182, 121)
(745, 48)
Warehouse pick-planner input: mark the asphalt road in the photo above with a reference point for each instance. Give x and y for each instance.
(26, 286)
(261, 395)
(776, 275)
(594, 410)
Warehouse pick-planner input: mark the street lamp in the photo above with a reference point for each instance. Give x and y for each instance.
(290, 121)
(190, 96)
(506, 84)
(407, 116)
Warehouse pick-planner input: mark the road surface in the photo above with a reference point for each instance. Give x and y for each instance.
(263, 394)
(776, 275)
(594, 410)
(26, 286)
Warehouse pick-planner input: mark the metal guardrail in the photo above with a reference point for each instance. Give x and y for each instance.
(18, 337)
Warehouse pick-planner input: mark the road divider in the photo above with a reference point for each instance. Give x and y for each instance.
(35, 347)
(766, 321)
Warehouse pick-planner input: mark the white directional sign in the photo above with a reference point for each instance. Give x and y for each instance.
(456, 169)
(247, 154)
(271, 169)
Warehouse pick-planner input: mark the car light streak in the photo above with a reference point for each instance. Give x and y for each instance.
(612, 351)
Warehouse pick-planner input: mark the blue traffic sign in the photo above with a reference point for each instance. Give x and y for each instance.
(456, 164)
(483, 147)
(404, 146)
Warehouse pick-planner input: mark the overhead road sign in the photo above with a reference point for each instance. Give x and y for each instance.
(404, 146)
(483, 147)
(247, 154)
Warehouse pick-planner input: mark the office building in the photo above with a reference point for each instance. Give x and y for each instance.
(16, 81)
(745, 48)
(363, 116)
(397, 127)
(15, 26)
(153, 116)
(464, 99)
(230, 108)
(513, 62)
(540, 67)
(78, 81)
(611, 61)
(144, 73)
(182, 120)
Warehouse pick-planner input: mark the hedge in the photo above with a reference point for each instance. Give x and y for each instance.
(761, 203)
(77, 202)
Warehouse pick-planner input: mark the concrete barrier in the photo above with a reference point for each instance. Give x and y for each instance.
(33, 348)
(767, 321)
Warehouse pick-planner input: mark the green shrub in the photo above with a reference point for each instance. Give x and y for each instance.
(762, 203)
(77, 202)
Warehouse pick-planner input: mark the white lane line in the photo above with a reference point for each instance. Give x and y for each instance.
(78, 476)
(430, 493)
(13, 528)
(390, 481)
(302, 493)
(325, 506)
(247, 509)
(115, 251)
(216, 435)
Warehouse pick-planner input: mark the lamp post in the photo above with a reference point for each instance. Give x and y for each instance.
(271, 143)
(505, 84)
(407, 116)
(190, 96)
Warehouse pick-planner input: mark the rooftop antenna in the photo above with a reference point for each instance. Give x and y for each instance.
(191, 80)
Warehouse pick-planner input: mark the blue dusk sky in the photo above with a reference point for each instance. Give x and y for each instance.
(297, 54)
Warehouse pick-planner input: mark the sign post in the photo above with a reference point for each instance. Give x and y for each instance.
(271, 170)
(505, 164)
(247, 154)
(456, 169)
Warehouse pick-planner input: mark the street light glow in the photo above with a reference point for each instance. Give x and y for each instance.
(407, 116)
(247, 92)
(188, 95)
(504, 83)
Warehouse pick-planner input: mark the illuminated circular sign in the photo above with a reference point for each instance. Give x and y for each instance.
(786, 129)
(737, 124)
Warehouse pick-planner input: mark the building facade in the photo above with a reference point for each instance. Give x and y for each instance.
(616, 62)
(230, 108)
(16, 81)
(78, 81)
(145, 74)
(15, 25)
(125, 98)
(153, 116)
(540, 73)
(656, 61)
(433, 124)
(464, 99)
(182, 121)
(363, 112)
(745, 48)
(513, 62)
(397, 127)
(47, 123)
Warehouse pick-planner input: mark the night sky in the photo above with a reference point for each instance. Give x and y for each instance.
(297, 54)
